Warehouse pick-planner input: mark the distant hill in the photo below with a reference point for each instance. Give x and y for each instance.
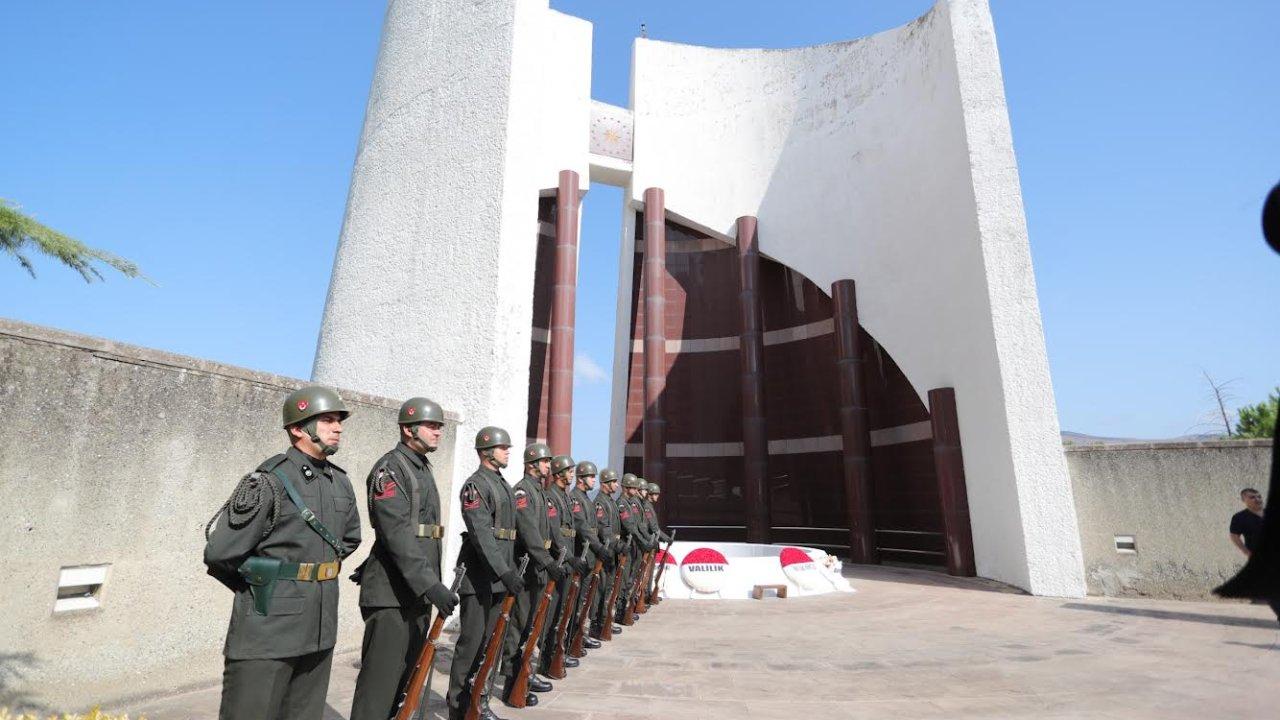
(1076, 438)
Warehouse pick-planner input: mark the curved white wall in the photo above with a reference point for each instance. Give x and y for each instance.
(889, 160)
(474, 109)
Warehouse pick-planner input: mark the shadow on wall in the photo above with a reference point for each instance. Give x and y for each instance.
(13, 668)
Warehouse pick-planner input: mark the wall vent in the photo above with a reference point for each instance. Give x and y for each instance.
(1125, 545)
(80, 588)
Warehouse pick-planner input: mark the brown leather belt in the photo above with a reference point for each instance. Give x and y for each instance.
(314, 572)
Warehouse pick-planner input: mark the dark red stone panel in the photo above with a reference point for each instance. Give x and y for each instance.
(801, 394)
(789, 298)
(703, 491)
(907, 511)
(806, 490)
(890, 398)
(539, 358)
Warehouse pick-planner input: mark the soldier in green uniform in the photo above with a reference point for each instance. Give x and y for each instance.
(630, 517)
(488, 549)
(610, 530)
(584, 522)
(534, 529)
(401, 579)
(558, 509)
(652, 502)
(278, 543)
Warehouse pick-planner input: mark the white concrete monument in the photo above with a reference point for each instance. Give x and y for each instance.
(887, 159)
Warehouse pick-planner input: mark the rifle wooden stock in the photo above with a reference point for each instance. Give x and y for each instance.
(519, 689)
(611, 605)
(642, 591)
(492, 651)
(580, 622)
(411, 699)
(555, 669)
(657, 580)
(633, 593)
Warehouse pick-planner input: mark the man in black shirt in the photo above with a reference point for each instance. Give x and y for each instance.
(1246, 525)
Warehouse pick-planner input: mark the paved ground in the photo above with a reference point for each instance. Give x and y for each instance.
(909, 644)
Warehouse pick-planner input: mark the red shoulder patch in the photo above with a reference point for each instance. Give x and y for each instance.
(388, 490)
(624, 514)
(522, 502)
(551, 510)
(470, 497)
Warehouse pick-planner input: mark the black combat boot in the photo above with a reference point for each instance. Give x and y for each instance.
(539, 685)
(590, 642)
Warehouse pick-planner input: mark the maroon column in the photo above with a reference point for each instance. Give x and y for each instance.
(854, 424)
(655, 334)
(755, 443)
(560, 375)
(949, 465)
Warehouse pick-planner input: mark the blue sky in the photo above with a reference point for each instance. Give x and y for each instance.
(213, 143)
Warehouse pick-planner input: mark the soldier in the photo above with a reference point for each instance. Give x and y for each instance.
(631, 517)
(584, 522)
(558, 508)
(277, 551)
(488, 549)
(651, 511)
(609, 531)
(401, 579)
(533, 527)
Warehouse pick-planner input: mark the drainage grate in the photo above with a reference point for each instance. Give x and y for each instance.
(1126, 545)
(80, 588)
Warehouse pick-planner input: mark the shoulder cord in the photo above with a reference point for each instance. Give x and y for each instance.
(246, 495)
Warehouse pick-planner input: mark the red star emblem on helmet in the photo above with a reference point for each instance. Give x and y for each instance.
(302, 404)
(410, 411)
(486, 438)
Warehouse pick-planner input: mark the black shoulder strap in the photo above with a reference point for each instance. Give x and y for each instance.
(312, 521)
(412, 489)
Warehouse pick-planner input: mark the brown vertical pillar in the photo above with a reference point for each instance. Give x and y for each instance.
(855, 424)
(655, 334)
(949, 465)
(755, 443)
(560, 376)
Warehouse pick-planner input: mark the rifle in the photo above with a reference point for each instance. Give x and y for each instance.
(493, 649)
(411, 699)
(629, 603)
(555, 668)
(657, 581)
(611, 606)
(519, 689)
(642, 590)
(584, 615)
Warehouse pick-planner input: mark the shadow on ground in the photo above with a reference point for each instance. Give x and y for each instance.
(1227, 620)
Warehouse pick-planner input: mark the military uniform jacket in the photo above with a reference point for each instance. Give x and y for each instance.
(629, 519)
(651, 520)
(303, 615)
(402, 565)
(562, 531)
(533, 526)
(488, 510)
(584, 522)
(606, 519)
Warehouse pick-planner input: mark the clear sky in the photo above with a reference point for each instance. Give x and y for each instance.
(212, 143)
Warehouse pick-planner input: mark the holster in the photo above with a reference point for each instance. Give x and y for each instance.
(261, 573)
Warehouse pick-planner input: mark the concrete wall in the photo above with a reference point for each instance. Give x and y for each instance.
(474, 110)
(889, 160)
(1176, 500)
(119, 455)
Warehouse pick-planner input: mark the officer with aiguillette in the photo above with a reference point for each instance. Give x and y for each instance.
(610, 530)
(488, 549)
(533, 528)
(584, 522)
(278, 543)
(401, 579)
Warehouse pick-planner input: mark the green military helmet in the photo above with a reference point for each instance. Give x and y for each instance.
(492, 437)
(305, 403)
(419, 410)
(560, 463)
(630, 481)
(586, 467)
(536, 452)
(608, 476)
(654, 489)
